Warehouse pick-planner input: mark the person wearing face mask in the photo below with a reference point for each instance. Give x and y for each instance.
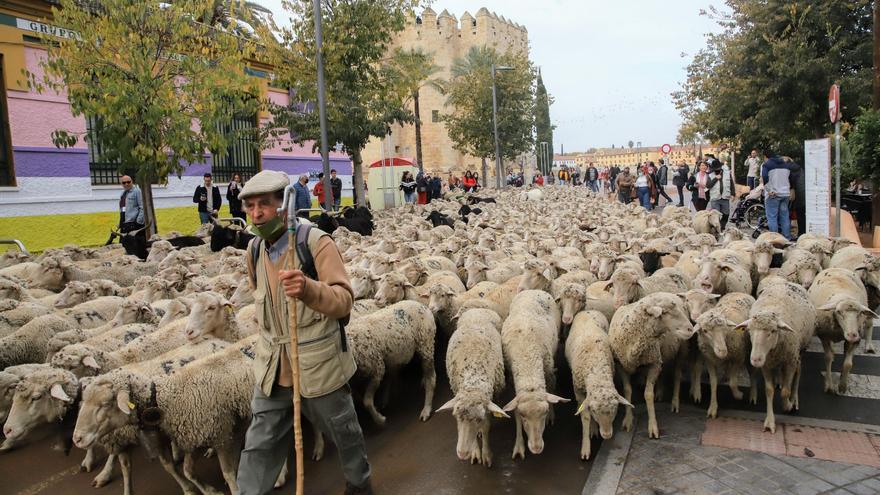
(321, 288)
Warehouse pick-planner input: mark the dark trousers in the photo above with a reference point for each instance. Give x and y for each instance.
(751, 182)
(680, 188)
(269, 439)
(700, 204)
(661, 191)
(800, 211)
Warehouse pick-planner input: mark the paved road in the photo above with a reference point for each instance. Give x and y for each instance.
(408, 457)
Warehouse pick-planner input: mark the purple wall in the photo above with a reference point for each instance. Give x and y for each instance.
(74, 162)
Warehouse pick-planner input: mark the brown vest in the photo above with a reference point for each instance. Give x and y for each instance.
(323, 366)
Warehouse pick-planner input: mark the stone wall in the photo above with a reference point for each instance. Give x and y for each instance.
(448, 39)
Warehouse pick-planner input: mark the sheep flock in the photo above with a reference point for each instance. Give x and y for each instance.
(121, 352)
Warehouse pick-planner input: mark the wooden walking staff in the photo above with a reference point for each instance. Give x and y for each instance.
(289, 205)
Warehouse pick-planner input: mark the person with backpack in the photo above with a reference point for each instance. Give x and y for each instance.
(323, 297)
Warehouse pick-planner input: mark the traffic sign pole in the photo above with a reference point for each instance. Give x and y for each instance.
(834, 113)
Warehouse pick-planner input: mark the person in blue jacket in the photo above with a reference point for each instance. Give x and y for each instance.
(303, 199)
(776, 174)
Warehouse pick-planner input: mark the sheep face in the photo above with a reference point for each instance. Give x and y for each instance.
(209, 315)
(244, 295)
(476, 273)
(472, 420)
(39, 399)
(50, 275)
(392, 288)
(851, 317)
(626, 286)
(532, 409)
(713, 328)
(8, 382)
(79, 360)
(605, 265)
(535, 276)
(698, 302)
(602, 407)
(75, 293)
(102, 410)
(712, 274)
(805, 272)
(571, 300)
(176, 310)
(670, 315)
(870, 272)
(133, 311)
(10, 289)
(762, 257)
(380, 265)
(415, 272)
(440, 298)
(764, 330)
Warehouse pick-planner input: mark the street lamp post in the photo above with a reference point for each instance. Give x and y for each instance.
(639, 146)
(322, 106)
(495, 69)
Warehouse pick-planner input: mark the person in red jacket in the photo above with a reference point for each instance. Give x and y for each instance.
(318, 190)
(539, 180)
(469, 182)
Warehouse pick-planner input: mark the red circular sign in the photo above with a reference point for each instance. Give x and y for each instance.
(666, 149)
(834, 103)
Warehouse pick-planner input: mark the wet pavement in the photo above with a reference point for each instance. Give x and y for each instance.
(407, 457)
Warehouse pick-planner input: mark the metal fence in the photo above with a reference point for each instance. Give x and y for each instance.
(242, 155)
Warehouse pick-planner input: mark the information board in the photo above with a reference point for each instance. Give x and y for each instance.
(817, 167)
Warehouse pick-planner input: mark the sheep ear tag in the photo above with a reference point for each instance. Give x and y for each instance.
(131, 405)
(229, 308)
(583, 407)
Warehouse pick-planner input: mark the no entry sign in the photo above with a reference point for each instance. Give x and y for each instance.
(666, 149)
(834, 103)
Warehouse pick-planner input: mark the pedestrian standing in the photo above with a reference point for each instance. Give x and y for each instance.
(408, 186)
(697, 186)
(302, 200)
(435, 188)
(798, 181)
(646, 188)
(207, 196)
(319, 192)
(422, 188)
(721, 188)
(131, 209)
(336, 188)
(679, 180)
(753, 163)
(323, 296)
(625, 184)
(776, 176)
(232, 190)
(603, 179)
(592, 178)
(612, 177)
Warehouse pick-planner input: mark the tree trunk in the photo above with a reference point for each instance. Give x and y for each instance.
(419, 130)
(149, 209)
(485, 172)
(876, 101)
(357, 174)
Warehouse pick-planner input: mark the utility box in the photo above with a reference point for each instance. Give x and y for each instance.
(383, 182)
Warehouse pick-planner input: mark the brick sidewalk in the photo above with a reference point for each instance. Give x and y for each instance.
(678, 463)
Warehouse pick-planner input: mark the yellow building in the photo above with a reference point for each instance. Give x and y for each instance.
(607, 157)
(448, 39)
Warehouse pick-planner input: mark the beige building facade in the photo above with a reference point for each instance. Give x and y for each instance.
(607, 157)
(448, 39)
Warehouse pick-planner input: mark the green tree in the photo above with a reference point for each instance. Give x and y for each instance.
(864, 146)
(239, 17)
(764, 79)
(470, 96)
(146, 72)
(413, 69)
(543, 126)
(363, 99)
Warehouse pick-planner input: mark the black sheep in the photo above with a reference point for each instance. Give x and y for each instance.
(226, 236)
(475, 199)
(438, 219)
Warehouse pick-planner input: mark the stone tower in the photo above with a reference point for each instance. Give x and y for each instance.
(447, 39)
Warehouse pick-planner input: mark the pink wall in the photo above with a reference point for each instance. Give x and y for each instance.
(33, 116)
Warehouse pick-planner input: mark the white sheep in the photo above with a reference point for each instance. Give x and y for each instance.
(592, 371)
(28, 343)
(708, 222)
(722, 348)
(445, 302)
(781, 323)
(631, 285)
(648, 333)
(475, 366)
(79, 292)
(388, 339)
(842, 314)
(859, 260)
(9, 379)
(722, 277)
(800, 267)
(529, 338)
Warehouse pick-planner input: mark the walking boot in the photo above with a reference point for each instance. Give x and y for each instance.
(355, 490)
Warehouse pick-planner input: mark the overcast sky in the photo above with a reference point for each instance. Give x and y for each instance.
(610, 65)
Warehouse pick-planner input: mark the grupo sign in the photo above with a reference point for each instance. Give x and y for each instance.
(45, 29)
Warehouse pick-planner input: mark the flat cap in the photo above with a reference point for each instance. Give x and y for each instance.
(264, 182)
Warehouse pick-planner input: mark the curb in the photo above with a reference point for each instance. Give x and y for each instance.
(608, 465)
